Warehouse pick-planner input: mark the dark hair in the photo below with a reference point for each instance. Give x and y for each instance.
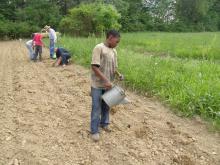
(113, 33)
(32, 35)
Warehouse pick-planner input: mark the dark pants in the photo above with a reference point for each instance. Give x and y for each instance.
(38, 50)
(65, 57)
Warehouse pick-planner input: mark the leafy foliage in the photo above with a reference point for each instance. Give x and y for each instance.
(39, 13)
(12, 30)
(128, 15)
(90, 19)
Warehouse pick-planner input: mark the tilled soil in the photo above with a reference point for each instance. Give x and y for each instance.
(45, 117)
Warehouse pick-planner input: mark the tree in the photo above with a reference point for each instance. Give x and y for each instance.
(88, 19)
(162, 13)
(133, 15)
(198, 15)
(7, 9)
(39, 13)
(66, 5)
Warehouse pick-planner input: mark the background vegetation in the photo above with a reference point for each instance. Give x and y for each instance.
(182, 69)
(76, 17)
(185, 75)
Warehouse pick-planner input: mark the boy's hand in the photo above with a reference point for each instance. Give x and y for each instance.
(121, 77)
(108, 85)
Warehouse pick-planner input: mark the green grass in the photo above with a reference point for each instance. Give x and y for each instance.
(183, 45)
(167, 65)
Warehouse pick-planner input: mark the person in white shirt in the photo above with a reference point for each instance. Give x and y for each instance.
(29, 45)
(53, 39)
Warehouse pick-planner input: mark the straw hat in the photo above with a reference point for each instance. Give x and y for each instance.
(46, 27)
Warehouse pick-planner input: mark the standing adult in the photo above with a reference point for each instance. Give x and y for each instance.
(53, 39)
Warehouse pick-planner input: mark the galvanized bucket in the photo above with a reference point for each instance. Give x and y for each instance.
(115, 96)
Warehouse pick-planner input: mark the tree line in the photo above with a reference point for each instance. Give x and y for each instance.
(18, 18)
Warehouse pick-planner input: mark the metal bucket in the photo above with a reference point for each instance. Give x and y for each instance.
(115, 96)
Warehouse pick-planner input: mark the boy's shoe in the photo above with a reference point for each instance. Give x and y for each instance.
(106, 129)
(95, 137)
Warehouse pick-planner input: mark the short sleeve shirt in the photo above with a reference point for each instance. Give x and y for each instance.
(38, 39)
(52, 35)
(106, 59)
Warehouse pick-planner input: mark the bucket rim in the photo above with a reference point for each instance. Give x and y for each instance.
(121, 90)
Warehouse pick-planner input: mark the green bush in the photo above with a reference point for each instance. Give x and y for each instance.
(39, 13)
(12, 30)
(90, 19)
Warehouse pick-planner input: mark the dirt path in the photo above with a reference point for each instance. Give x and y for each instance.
(45, 114)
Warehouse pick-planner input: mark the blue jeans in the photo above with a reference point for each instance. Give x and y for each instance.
(100, 110)
(52, 47)
(31, 51)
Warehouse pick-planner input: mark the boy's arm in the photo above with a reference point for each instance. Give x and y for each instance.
(117, 73)
(120, 76)
(99, 74)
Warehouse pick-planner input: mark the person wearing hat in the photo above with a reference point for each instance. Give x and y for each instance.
(53, 39)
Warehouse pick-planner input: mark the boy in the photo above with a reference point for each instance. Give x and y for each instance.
(62, 56)
(38, 43)
(104, 67)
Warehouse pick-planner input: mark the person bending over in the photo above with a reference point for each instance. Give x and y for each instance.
(63, 56)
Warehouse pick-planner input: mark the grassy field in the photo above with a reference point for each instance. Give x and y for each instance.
(182, 69)
(182, 45)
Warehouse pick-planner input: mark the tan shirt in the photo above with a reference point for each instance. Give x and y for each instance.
(106, 58)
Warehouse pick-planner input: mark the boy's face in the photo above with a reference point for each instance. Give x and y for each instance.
(113, 41)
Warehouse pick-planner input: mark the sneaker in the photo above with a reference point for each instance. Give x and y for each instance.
(95, 137)
(106, 129)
